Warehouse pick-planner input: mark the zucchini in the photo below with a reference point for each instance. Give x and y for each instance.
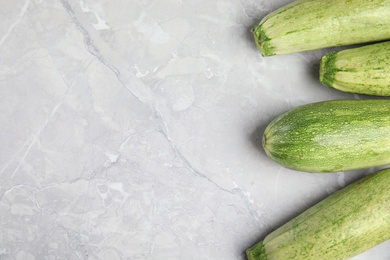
(314, 24)
(345, 224)
(362, 70)
(331, 136)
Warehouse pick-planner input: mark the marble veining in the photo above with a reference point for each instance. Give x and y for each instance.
(130, 130)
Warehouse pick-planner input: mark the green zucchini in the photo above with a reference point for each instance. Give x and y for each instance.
(362, 70)
(345, 224)
(314, 24)
(331, 136)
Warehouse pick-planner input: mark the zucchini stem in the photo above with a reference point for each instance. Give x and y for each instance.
(256, 252)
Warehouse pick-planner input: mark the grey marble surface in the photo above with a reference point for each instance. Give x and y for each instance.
(129, 130)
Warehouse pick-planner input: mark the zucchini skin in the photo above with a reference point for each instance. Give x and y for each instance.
(363, 70)
(345, 224)
(315, 24)
(331, 136)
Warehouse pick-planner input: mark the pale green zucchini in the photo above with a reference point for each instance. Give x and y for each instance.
(345, 224)
(362, 70)
(314, 24)
(331, 136)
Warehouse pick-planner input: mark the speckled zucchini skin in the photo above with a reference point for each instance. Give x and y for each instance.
(331, 136)
(314, 24)
(341, 226)
(363, 70)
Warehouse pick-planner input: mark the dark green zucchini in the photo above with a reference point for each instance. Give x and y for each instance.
(331, 136)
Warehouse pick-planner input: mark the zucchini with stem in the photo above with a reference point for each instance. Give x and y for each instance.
(315, 24)
(362, 70)
(345, 224)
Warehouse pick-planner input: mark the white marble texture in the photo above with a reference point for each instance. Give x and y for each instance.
(129, 130)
